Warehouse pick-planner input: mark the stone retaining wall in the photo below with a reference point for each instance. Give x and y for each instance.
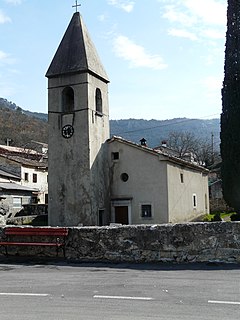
(191, 242)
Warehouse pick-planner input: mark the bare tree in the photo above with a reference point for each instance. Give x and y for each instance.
(191, 148)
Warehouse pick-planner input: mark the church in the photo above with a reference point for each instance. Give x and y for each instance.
(95, 179)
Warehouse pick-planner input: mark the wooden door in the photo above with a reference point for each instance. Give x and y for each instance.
(121, 214)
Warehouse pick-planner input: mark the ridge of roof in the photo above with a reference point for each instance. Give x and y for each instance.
(76, 52)
(26, 161)
(18, 149)
(15, 186)
(169, 157)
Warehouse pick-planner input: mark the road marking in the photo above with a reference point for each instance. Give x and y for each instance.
(223, 302)
(24, 294)
(122, 298)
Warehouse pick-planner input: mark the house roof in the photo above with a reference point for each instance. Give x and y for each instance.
(76, 52)
(9, 175)
(14, 186)
(27, 162)
(157, 152)
(18, 150)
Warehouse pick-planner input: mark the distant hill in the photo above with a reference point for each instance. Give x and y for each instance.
(155, 131)
(4, 103)
(23, 126)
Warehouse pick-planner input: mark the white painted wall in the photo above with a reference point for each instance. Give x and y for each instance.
(181, 194)
(41, 184)
(154, 180)
(147, 182)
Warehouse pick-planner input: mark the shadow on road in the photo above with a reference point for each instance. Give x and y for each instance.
(100, 266)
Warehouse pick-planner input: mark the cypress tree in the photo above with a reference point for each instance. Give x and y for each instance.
(230, 118)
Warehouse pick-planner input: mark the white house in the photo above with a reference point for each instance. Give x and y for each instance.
(12, 194)
(30, 166)
(150, 186)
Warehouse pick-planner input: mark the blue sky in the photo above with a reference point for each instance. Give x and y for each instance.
(164, 58)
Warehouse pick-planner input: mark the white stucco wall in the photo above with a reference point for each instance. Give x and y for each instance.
(146, 184)
(155, 180)
(41, 184)
(194, 184)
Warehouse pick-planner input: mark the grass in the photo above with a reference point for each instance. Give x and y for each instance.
(225, 216)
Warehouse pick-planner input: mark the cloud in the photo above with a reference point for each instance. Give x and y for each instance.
(122, 4)
(3, 55)
(136, 54)
(183, 34)
(15, 2)
(213, 34)
(209, 11)
(212, 85)
(4, 18)
(173, 15)
(6, 58)
(206, 19)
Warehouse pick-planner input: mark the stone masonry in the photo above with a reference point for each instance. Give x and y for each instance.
(191, 242)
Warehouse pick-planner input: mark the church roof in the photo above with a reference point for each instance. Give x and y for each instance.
(168, 157)
(76, 52)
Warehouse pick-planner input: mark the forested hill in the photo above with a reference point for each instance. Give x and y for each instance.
(23, 126)
(20, 126)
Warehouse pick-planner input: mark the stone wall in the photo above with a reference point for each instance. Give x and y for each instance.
(191, 242)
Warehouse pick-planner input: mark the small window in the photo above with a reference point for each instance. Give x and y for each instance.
(124, 177)
(34, 178)
(181, 177)
(101, 217)
(98, 101)
(206, 202)
(26, 176)
(194, 200)
(17, 202)
(68, 99)
(146, 211)
(115, 155)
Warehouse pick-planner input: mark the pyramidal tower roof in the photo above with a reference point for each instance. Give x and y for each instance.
(76, 53)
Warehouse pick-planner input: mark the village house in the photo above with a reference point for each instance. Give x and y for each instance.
(27, 170)
(13, 195)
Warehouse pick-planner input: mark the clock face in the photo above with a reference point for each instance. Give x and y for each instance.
(67, 131)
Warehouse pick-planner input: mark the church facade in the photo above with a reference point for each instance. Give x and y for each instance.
(95, 180)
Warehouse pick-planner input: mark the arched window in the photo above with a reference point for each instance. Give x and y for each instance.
(68, 99)
(98, 100)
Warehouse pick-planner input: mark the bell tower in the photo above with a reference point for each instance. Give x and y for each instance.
(78, 115)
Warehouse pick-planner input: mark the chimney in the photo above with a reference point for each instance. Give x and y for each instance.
(8, 142)
(164, 143)
(143, 142)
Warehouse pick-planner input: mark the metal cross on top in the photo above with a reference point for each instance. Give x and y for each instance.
(76, 5)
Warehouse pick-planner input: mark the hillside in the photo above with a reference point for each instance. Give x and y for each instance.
(20, 127)
(23, 126)
(154, 131)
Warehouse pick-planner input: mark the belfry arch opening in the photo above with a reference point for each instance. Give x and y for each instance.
(98, 100)
(68, 99)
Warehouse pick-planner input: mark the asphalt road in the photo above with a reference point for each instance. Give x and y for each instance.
(119, 292)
